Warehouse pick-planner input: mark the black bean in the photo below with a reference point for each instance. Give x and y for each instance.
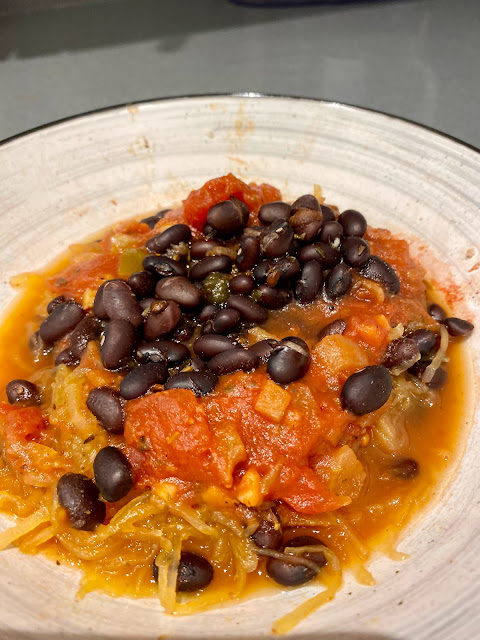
(338, 281)
(198, 364)
(226, 321)
(174, 353)
(367, 390)
(250, 310)
(113, 474)
(290, 574)
(356, 251)
(61, 321)
(194, 572)
(273, 298)
(378, 270)
(323, 253)
(228, 217)
(199, 248)
(208, 346)
(273, 211)
(200, 382)
(142, 283)
(117, 346)
(146, 303)
(181, 291)
(331, 231)
(107, 406)
(242, 283)
(268, 535)
(56, 302)
(424, 339)
(439, 379)
(237, 359)
(263, 349)
(277, 239)
(162, 319)
(98, 306)
(274, 271)
(208, 312)
(306, 224)
(120, 303)
(458, 327)
(248, 253)
(218, 264)
(327, 213)
(305, 202)
(261, 270)
(66, 357)
(337, 327)
(308, 541)
(87, 329)
(164, 267)
(185, 329)
(173, 235)
(406, 468)
(353, 223)
(400, 352)
(142, 379)
(437, 313)
(79, 496)
(151, 221)
(23, 392)
(309, 285)
(289, 361)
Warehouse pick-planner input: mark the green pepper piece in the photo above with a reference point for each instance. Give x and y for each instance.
(216, 288)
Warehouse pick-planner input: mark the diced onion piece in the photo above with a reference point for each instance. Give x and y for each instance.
(249, 491)
(390, 433)
(396, 332)
(272, 401)
(439, 356)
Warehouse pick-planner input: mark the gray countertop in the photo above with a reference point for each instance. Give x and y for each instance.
(419, 59)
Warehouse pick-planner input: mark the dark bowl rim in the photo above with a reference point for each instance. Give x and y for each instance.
(241, 94)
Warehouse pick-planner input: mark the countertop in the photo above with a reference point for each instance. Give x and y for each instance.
(419, 59)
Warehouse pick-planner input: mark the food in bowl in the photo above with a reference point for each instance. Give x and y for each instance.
(235, 392)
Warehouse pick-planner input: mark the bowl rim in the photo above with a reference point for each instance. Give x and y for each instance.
(250, 95)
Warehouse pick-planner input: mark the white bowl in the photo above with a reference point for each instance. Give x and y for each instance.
(61, 183)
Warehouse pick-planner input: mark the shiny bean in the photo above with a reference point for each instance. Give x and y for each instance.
(142, 283)
(277, 239)
(406, 468)
(305, 202)
(327, 213)
(173, 235)
(208, 312)
(194, 572)
(338, 281)
(113, 474)
(273, 211)
(378, 270)
(78, 495)
(87, 329)
(146, 303)
(151, 221)
(437, 313)
(249, 310)
(174, 353)
(184, 329)
(337, 327)
(272, 272)
(61, 321)
(199, 248)
(120, 303)
(242, 283)
(198, 364)
(226, 321)
(308, 541)
(367, 390)
(262, 349)
(401, 352)
(273, 298)
(56, 302)
(356, 251)
(294, 574)
(457, 327)
(164, 267)
(117, 346)
(200, 382)
(210, 345)
(218, 264)
(181, 291)
(107, 406)
(309, 285)
(268, 535)
(98, 306)
(23, 392)
(306, 224)
(228, 217)
(439, 379)
(323, 253)
(332, 231)
(353, 223)
(248, 252)
(237, 359)
(162, 319)
(424, 339)
(66, 357)
(141, 379)
(289, 361)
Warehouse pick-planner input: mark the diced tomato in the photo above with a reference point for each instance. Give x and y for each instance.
(198, 202)
(75, 279)
(21, 424)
